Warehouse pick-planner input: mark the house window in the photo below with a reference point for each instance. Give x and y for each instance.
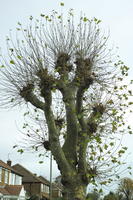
(41, 187)
(60, 193)
(18, 180)
(6, 176)
(12, 179)
(44, 188)
(0, 174)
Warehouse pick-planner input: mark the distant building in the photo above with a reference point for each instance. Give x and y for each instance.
(10, 182)
(56, 191)
(58, 187)
(37, 185)
(33, 185)
(58, 180)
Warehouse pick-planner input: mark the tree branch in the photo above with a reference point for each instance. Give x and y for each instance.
(54, 137)
(29, 96)
(70, 145)
(79, 106)
(82, 163)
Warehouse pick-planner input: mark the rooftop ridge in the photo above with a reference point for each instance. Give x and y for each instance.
(16, 166)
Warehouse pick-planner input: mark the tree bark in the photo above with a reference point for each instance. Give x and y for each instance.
(76, 191)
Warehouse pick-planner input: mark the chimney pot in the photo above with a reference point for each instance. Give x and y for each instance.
(9, 162)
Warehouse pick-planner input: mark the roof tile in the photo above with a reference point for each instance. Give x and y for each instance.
(11, 190)
(14, 189)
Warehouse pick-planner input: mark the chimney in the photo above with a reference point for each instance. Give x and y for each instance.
(9, 162)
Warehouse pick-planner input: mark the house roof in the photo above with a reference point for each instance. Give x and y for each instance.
(14, 189)
(4, 191)
(6, 166)
(57, 186)
(29, 177)
(11, 190)
(44, 180)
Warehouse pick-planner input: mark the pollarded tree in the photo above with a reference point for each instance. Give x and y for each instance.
(65, 71)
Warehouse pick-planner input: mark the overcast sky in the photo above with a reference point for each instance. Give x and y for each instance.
(116, 16)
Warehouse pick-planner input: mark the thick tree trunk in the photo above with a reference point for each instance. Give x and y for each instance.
(77, 193)
(74, 189)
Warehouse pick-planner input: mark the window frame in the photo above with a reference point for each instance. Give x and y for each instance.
(0, 174)
(6, 177)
